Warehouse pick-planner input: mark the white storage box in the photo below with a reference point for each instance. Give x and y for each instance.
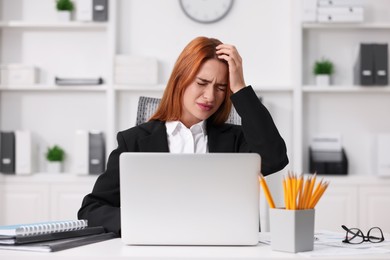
(18, 74)
(133, 70)
(383, 154)
(84, 10)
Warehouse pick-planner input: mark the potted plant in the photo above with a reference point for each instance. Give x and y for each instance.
(55, 156)
(323, 69)
(64, 8)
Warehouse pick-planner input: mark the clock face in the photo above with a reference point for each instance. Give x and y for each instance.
(206, 11)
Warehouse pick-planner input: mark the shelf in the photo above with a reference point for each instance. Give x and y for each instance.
(347, 89)
(53, 25)
(135, 88)
(161, 87)
(43, 177)
(273, 88)
(94, 88)
(346, 26)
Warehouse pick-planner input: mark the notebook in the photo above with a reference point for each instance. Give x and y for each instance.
(189, 199)
(38, 228)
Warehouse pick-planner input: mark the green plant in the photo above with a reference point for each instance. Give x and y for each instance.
(55, 154)
(65, 5)
(323, 67)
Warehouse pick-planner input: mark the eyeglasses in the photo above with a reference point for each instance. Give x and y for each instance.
(356, 236)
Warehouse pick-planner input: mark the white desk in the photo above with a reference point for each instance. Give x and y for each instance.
(114, 249)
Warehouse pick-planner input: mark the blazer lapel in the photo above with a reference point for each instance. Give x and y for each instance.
(220, 139)
(157, 140)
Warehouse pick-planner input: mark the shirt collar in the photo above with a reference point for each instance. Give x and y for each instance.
(174, 127)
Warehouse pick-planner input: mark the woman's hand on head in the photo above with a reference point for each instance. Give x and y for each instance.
(236, 75)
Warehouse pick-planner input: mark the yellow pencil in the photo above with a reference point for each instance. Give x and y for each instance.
(316, 191)
(290, 191)
(285, 194)
(305, 192)
(300, 185)
(310, 192)
(293, 192)
(266, 191)
(324, 187)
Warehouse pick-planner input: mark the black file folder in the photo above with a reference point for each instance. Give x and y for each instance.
(7, 152)
(381, 64)
(96, 153)
(364, 68)
(328, 162)
(61, 244)
(100, 10)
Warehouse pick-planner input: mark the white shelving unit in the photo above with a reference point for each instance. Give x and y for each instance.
(354, 111)
(67, 49)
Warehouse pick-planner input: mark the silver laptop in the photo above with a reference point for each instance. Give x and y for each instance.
(189, 199)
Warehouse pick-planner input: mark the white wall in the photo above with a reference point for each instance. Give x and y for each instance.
(260, 29)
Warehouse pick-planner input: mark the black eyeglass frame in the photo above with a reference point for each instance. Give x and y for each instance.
(358, 233)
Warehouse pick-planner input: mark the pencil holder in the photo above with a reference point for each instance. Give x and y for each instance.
(292, 230)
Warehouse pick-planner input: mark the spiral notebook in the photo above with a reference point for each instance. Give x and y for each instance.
(40, 228)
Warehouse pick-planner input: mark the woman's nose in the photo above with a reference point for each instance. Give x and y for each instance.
(209, 93)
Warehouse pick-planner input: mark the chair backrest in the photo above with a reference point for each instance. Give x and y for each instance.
(148, 105)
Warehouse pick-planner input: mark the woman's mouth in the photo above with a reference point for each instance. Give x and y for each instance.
(204, 106)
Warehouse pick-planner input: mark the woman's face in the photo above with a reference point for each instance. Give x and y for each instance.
(205, 94)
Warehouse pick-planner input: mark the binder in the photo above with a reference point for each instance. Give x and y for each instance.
(96, 153)
(100, 10)
(23, 152)
(84, 10)
(81, 152)
(7, 152)
(381, 64)
(364, 68)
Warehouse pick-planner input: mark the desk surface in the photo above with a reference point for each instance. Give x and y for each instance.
(115, 249)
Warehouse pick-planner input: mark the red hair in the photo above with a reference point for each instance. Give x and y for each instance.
(187, 66)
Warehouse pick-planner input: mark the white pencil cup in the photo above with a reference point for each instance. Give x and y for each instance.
(292, 230)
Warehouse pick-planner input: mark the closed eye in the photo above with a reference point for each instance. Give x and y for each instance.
(201, 83)
(221, 87)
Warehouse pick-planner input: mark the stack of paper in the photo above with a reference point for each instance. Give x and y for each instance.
(334, 11)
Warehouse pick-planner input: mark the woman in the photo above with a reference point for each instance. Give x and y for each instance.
(205, 80)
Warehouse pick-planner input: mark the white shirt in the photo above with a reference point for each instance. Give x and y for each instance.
(184, 140)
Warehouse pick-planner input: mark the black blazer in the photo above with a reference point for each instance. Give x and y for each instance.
(257, 134)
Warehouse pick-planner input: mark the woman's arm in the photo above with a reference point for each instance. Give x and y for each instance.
(260, 134)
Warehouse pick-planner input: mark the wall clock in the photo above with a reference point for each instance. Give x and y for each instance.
(206, 11)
